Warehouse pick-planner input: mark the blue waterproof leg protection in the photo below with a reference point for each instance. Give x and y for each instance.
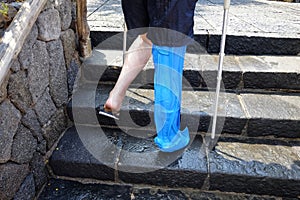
(168, 62)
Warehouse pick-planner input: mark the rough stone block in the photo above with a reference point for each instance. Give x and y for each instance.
(9, 121)
(68, 40)
(3, 88)
(18, 90)
(38, 72)
(27, 189)
(30, 120)
(50, 4)
(73, 74)
(42, 147)
(64, 8)
(15, 66)
(32, 36)
(55, 128)
(49, 25)
(40, 174)
(45, 108)
(58, 74)
(25, 55)
(23, 147)
(11, 177)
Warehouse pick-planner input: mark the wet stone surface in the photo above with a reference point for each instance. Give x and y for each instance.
(251, 166)
(62, 190)
(154, 193)
(141, 162)
(85, 155)
(227, 196)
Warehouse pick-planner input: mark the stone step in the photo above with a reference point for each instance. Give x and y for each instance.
(266, 44)
(242, 165)
(240, 73)
(68, 189)
(255, 27)
(247, 114)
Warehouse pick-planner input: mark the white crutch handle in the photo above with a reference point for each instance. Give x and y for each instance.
(226, 4)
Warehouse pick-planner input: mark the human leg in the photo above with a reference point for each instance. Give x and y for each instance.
(135, 60)
(137, 20)
(173, 20)
(168, 62)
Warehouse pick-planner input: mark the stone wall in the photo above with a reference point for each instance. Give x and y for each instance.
(33, 98)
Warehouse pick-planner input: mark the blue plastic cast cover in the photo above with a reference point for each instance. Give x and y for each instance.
(168, 62)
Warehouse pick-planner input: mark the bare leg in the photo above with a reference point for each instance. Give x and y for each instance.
(135, 60)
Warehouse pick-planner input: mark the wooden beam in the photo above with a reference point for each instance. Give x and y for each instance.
(83, 29)
(17, 32)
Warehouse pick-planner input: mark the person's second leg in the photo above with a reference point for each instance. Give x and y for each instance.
(135, 60)
(168, 62)
(137, 21)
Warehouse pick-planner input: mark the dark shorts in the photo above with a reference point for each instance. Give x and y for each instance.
(174, 18)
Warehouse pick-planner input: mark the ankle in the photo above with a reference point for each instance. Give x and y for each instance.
(114, 101)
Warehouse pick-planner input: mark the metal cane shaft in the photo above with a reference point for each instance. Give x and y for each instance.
(220, 69)
(124, 42)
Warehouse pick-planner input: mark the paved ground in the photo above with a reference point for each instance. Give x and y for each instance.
(246, 17)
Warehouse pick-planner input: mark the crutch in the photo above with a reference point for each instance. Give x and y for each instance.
(220, 67)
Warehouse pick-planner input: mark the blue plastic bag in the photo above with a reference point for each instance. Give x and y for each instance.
(168, 62)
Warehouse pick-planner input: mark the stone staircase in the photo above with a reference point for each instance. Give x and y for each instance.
(256, 154)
